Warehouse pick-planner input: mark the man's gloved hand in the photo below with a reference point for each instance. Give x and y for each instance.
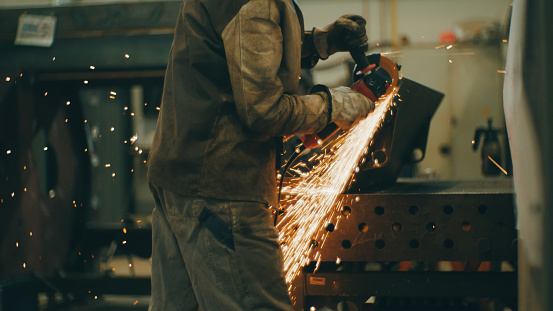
(346, 33)
(349, 107)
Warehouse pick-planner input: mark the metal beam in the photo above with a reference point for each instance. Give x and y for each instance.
(412, 284)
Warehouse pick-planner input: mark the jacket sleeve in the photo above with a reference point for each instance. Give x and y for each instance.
(254, 47)
(309, 55)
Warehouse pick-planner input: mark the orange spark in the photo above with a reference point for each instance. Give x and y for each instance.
(311, 202)
(498, 166)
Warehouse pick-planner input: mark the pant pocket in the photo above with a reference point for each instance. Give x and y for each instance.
(218, 227)
(215, 223)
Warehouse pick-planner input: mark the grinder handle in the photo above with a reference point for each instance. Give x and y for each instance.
(359, 58)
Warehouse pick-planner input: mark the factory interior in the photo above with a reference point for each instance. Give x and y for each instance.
(447, 210)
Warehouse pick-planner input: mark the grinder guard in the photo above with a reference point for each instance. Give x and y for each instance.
(405, 129)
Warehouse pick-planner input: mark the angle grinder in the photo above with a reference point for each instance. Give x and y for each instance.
(374, 76)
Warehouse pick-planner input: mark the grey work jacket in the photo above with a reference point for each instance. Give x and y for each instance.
(232, 72)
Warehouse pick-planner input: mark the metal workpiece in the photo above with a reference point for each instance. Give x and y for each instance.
(426, 221)
(403, 137)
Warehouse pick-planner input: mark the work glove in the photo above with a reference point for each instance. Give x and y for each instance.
(349, 107)
(346, 33)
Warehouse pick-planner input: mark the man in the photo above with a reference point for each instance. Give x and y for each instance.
(228, 93)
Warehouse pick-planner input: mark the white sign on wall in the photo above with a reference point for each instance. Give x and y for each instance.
(35, 30)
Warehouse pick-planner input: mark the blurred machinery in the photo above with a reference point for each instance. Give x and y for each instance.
(490, 155)
(74, 138)
(73, 144)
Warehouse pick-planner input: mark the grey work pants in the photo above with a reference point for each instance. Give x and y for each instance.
(215, 255)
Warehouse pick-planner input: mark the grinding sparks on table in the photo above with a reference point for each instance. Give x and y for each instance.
(311, 202)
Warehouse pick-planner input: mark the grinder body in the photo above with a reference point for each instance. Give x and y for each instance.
(374, 76)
